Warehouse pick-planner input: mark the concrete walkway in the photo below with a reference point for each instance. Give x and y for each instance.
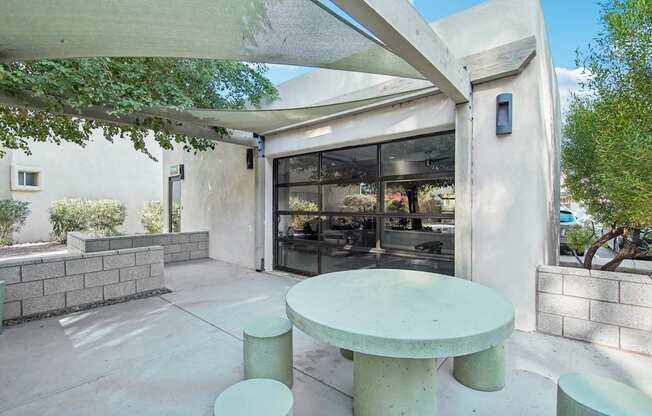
(172, 355)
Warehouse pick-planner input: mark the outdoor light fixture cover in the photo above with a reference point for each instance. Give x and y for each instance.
(504, 113)
(250, 159)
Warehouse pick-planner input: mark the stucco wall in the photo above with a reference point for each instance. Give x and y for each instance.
(100, 170)
(218, 195)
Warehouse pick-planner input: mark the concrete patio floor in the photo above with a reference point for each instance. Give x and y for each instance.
(172, 355)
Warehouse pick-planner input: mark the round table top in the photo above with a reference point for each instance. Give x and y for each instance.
(606, 396)
(400, 313)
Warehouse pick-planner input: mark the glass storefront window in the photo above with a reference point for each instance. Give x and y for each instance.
(426, 235)
(348, 209)
(340, 259)
(350, 231)
(298, 227)
(298, 198)
(433, 155)
(355, 163)
(353, 197)
(298, 257)
(298, 169)
(420, 197)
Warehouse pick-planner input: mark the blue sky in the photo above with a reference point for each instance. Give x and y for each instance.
(571, 24)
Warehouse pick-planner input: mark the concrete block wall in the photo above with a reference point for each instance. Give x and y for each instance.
(177, 246)
(45, 283)
(608, 308)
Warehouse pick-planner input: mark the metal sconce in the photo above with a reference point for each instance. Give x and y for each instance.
(504, 113)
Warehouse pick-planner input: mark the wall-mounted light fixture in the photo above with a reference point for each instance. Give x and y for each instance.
(250, 158)
(504, 113)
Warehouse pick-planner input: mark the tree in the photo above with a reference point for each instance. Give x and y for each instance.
(125, 85)
(13, 215)
(607, 145)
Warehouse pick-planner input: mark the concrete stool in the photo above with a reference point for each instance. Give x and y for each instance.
(484, 370)
(2, 303)
(268, 350)
(255, 397)
(589, 395)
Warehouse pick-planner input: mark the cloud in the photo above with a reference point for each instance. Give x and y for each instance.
(568, 80)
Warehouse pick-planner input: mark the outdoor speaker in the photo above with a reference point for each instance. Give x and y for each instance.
(504, 113)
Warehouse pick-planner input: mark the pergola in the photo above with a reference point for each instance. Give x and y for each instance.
(395, 41)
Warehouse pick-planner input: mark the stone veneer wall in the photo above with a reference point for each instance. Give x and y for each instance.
(44, 284)
(177, 246)
(609, 308)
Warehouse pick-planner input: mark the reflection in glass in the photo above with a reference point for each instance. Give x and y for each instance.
(418, 264)
(354, 163)
(298, 169)
(434, 154)
(420, 197)
(299, 227)
(297, 257)
(350, 197)
(427, 235)
(298, 198)
(347, 231)
(340, 259)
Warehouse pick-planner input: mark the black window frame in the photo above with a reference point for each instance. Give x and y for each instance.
(379, 214)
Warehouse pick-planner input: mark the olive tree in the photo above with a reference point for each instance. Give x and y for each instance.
(607, 145)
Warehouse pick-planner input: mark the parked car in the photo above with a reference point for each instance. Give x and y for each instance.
(566, 219)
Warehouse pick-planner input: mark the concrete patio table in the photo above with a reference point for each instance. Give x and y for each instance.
(398, 322)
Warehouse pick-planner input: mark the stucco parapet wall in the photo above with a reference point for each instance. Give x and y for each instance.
(49, 283)
(608, 308)
(177, 246)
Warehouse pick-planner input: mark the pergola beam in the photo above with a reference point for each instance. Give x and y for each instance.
(184, 128)
(402, 29)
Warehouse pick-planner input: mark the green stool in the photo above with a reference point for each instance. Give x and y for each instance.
(589, 395)
(484, 370)
(268, 350)
(2, 302)
(255, 397)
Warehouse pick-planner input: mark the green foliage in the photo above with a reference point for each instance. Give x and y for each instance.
(607, 145)
(98, 217)
(105, 216)
(67, 215)
(12, 217)
(297, 221)
(151, 216)
(580, 237)
(126, 85)
(363, 202)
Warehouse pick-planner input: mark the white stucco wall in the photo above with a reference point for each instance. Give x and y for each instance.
(217, 195)
(100, 170)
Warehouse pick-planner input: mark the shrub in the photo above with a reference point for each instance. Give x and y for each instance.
(579, 238)
(12, 217)
(151, 216)
(105, 216)
(66, 215)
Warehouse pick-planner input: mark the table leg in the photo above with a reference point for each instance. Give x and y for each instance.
(484, 370)
(384, 386)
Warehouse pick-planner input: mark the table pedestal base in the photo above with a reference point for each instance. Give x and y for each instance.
(384, 386)
(484, 370)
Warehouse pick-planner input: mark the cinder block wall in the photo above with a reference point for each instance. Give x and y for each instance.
(50, 283)
(177, 246)
(608, 308)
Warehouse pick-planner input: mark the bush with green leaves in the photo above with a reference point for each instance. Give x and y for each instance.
(13, 215)
(67, 215)
(607, 144)
(579, 238)
(105, 216)
(151, 216)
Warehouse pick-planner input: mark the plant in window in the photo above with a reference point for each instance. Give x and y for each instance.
(361, 202)
(67, 215)
(105, 216)
(298, 221)
(12, 217)
(151, 216)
